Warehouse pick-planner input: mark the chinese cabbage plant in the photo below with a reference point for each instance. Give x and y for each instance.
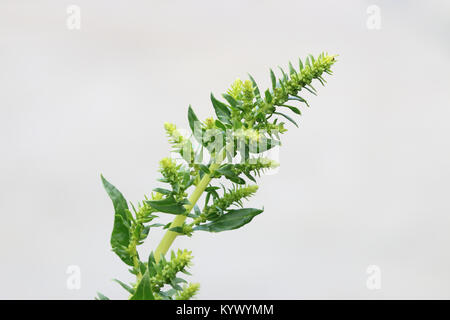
(230, 148)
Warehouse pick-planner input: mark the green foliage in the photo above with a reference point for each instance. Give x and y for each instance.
(143, 289)
(120, 237)
(232, 219)
(248, 124)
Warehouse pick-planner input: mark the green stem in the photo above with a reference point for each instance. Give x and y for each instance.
(170, 236)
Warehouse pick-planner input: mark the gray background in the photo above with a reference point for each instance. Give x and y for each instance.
(364, 181)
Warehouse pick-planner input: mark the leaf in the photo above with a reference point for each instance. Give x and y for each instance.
(285, 77)
(265, 144)
(195, 125)
(255, 87)
(300, 64)
(197, 210)
(220, 125)
(291, 69)
(221, 109)
(167, 205)
(101, 296)
(230, 100)
(166, 226)
(230, 175)
(125, 286)
(248, 175)
(234, 219)
(151, 264)
(293, 109)
(310, 91)
(155, 225)
(192, 118)
(143, 289)
(297, 98)
(163, 191)
(268, 96)
(120, 236)
(287, 117)
(307, 63)
(204, 168)
(177, 229)
(273, 79)
(179, 280)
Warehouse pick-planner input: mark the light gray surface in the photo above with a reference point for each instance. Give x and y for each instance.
(364, 181)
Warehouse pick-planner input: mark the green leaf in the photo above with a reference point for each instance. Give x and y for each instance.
(221, 109)
(291, 69)
(266, 143)
(143, 289)
(285, 77)
(163, 191)
(310, 91)
(307, 63)
(287, 117)
(192, 118)
(120, 236)
(195, 126)
(168, 205)
(268, 96)
(151, 264)
(101, 296)
(230, 175)
(155, 225)
(125, 286)
(297, 98)
(293, 109)
(300, 64)
(283, 88)
(197, 210)
(233, 103)
(177, 229)
(204, 168)
(234, 219)
(255, 87)
(248, 175)
(220, 125)
(273, 79)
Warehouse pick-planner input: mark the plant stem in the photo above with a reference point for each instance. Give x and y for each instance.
(170, 236)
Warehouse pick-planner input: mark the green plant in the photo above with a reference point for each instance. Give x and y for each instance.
(247, 125)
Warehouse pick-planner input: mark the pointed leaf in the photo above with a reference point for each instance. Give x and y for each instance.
(300, 64)
(273, 79)
(233, 103)
(168, 205)
(204, 168)
(143, 289)
(297, 98)
(192, 117)
(120, 236)
(291, 69)
(221, 109)
(285, 77)
(125, 286)
(101, 296)
(163, 191)
(268, 96)
(287, 117)
(293, 109)
(255, 87)
(234, 219)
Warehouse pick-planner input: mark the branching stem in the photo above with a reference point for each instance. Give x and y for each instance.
(170, 236)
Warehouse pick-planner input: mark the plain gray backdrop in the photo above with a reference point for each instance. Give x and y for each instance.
(364, 180)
